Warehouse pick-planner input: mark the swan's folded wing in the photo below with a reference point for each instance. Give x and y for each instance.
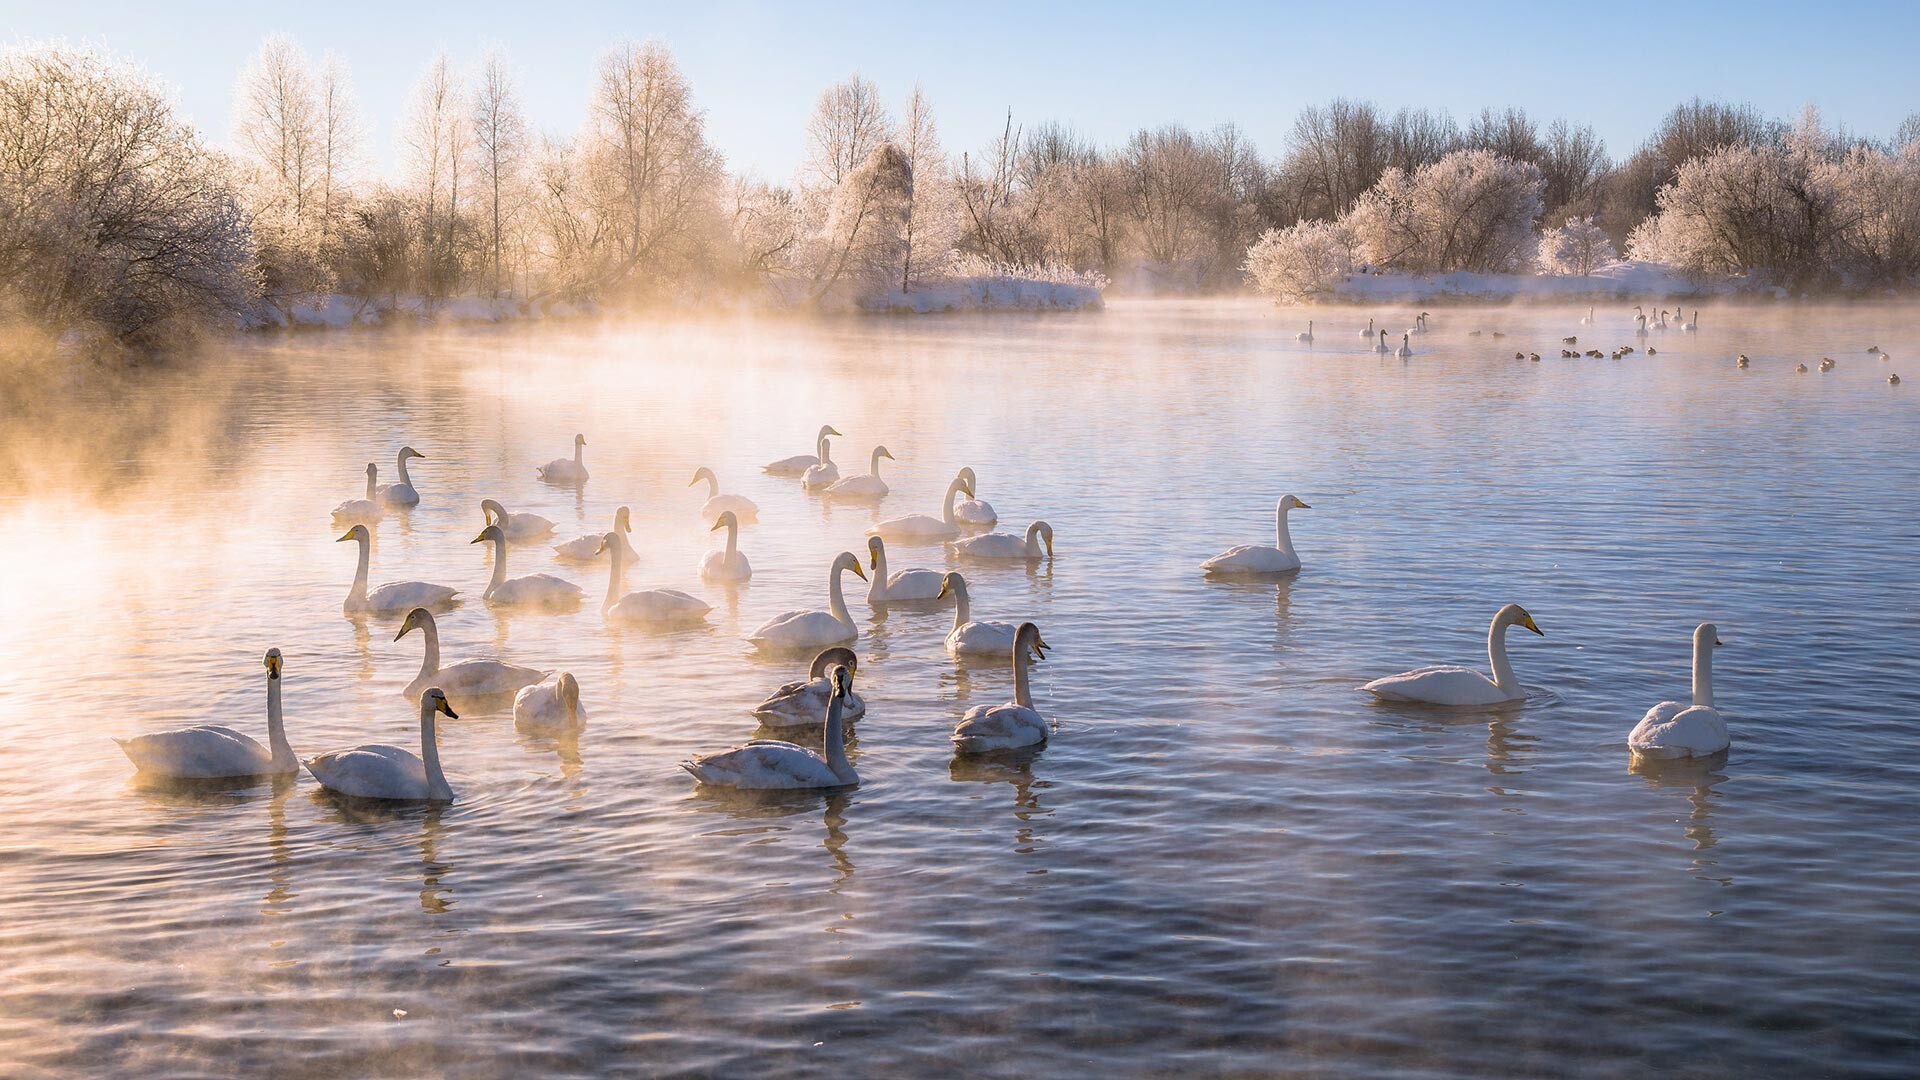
(999, 727)
(764, 764)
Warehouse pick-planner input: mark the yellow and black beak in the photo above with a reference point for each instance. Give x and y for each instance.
(856, 569)
(1298, 505)
(349, 536)
(1526, 620)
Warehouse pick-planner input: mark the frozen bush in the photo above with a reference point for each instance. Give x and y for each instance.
(1578, 247)
(1471, 210)
(1300, 262)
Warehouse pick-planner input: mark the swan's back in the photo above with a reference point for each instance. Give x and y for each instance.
(1673, 730)
(911, 525)
(993, 546)
(916, 584)
(375, 771)
(537, 589)
(474, 678)
(987, 638)
(763, 765)
(658, 605)
(803, 703)
(1252, 559)
(399, 595)
(801, 628)
(986, 728)
(975, 512)
(1439, 684)
(206, 752)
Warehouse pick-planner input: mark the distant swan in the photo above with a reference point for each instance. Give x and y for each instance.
(774, 765)
(362, 511)
(803, 703)
(586, 548)
(469, 678)
(866, 488)
(731, 564)
(814, 628)
(743, 508)
(402, 493)
(902, 586)
(1673, 730)
(987, 728)
(920, 528)
(971, 511)
(969, 638)
(1308, 335)
(1259, 558)
(533, 590)
(551, 704)
(1692, 324)
(647, 606)
(1588, 321)
(1419, 324)
(1006, 546)
(1382, 346)
(519, 528)
(565, 471)
(378, 771)
(1446, 684)
(213, 752)
(394, 595)
(1640, 328)
(1368, 332)
(800, 463)
(823, 475)
(1405, 348)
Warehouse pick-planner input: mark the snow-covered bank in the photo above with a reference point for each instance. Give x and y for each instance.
(340, 311)
(996, 293)
(1619, 280)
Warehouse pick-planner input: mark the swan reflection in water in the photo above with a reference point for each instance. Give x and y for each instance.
(173, 794)
(1698, 777)
(765, 812)
(374, 820)
(1015, 768)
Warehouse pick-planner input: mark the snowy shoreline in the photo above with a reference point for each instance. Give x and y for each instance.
(1621, 280)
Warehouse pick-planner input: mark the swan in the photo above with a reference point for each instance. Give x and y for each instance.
(814, 628)
(469, 678)
(974, 511)
(1368, 332)
(519, 528)
(800, 463)
(1006, 546)
(717, 504)
(534, 590)
(920, 528)
(362, 511)
(585, 548)
(1419, 324)
(1382, 346)
(986, 728)
(868, 488)
(1692, 324)
(212, 752)
(825, 474)
(1405, 349)
(969, 638)
(394, 595)
(1445, 684)
(1259, 558)
(378, 771)
(1588, 321)
(803, 703)
(553, 703)
(1640, 328)
(728, 565)
(647, 606)
(771, 764)
(1673, 730)
(1308, 336)
(402, 493)
(904, 586)
(564, 471)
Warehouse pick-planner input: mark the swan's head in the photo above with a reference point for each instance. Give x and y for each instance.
(876, 550)
(358, 532)
(273, 663)
(842, 680)
(1291, 502)
(408, 451)
(952, 584)
(727, 520)
(847, 560)
(826, 430)
(1515, 615)
(570, 692)
(623, 520)
(703, 473)
(490, 533)
(373, 470)
(417, 619)
(435, 701)
(491, 509)
(579, 440)
(972, 481)
(1045, 532)
(1027, 639)
(838, 655)
(1706, 636)
(883, 452)
(609, 542)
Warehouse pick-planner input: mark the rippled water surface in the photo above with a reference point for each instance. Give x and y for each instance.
(1228, 860)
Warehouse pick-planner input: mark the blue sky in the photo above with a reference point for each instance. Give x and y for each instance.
(1106, 68)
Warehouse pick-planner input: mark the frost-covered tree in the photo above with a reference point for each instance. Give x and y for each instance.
(1173, 182)
(849, 123)
(277, 124)
(766, 230)
(436, 142)
(1471, 210)
(929, 220)
(338, 136)
(1579, 247)
(859, 249)
(1300, 262)
(500, 147)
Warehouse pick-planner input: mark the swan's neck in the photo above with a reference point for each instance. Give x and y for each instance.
(820, 449)
(576, 453)
(834, 741)
(837, 599)
(1703, 674)
(1283, 539)
(358, 594)
(371, 477)
(962, 610)
(733, 540)
(437, 787)
(873, 465)
(713, 486)
(1034, 550)
(619, 561)
(1497, 658)
(430, 656)
(404, 479)
(877, 588)
(277, 729)
(499, 565)
(946, 508)
(1022, 695)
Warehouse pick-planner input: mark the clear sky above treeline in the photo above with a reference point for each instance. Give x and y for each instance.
(1106, 68)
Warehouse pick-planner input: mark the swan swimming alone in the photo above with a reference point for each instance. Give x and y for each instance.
(566, 470)
(216, 752)
(379, 771)
(970, 638)
(519, 528)
(400, 493)
(987, 728)
(803, 702)
(1447, 684)
(798, 464)
(731, 564)
(922, 528)
(1308, 335)
(549, 705)
(973, 511)
(1672, 729)
(586, 548)
(532, 591)
(776, 765)
(362, 511)
(813, 628)
(1405, 349)
(1260, 558)
(743, 508)
(1382, 347)
(394, 595)
(914, 586)
(1006, 547)
(653, 607)
(483, 677)
(1368, 332)
(868, 488)
(823, 475)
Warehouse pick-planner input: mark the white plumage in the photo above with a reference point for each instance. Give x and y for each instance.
(1006, 547)
(987, 728)
(813, 628)
(803, 702)
(362, 511)
(542, 591)
(922, 528)
(1672, 729)
(215, 752)
(567, 470)
(394, 595)
(380, 771)
(970, 638)
(1448, 684)
(773, 765)
(1260, 558)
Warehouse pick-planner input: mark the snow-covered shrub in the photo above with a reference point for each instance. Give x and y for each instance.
(1578, 247)
(968, 265)
(1470, 210)
(1300, 262)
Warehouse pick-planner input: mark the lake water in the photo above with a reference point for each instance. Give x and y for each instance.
(1228, 861)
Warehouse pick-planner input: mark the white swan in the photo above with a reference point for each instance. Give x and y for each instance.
(467, 678)
(1405, 348)
(771, 764)
(743, 508)
(211, 751)
(1675, 730)
(1588, 321)
(1259, 558)
(814, 628)
(402, 493)
(519, 528)
(900, 587)
(1308, 335)
(823, 475)
(803, 703)
(1006, 547)
(971, 511)
(379, 771)
(920, 528)
(564, 470)
(362, 511)
(551, 704)
(1691, 325)
(868, 488)
(800, 463)
(1382, 347)
(969, 638)
(533, 590)
(394, 595)
(986, 728)
(586, 548)
(1640, 326)
(1419, 324)
(731, 564)
(654, 607)
(1368, 332)
(1446, 684)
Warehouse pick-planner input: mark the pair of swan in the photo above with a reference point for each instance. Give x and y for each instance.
(970, 638)
(402, 493)
(394, 595)
(519, 528)
(216, 752)
(586, 548)
(800, 463)
(565, 470)
(813, 628)
(1419, 324)
(745, 509)
(1006, 547)
(987, 728)
(778, 765)
(1673, 729)
(731, 564)
(803, 702)
(1260, 558)
(534, 590)
(1448, 684)
(868, 488)
(478, 678)
(822, 474)
(923, 528)
(362, 511)
(651, 607)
